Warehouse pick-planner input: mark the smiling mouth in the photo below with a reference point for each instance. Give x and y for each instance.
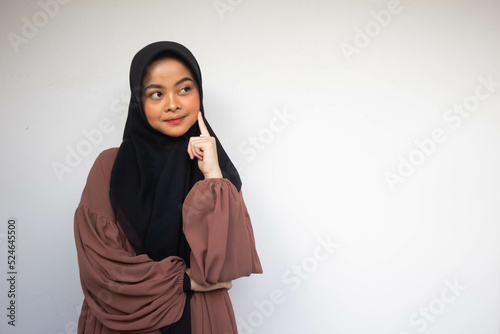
(175, 120)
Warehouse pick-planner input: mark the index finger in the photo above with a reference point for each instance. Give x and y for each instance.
(203, 127)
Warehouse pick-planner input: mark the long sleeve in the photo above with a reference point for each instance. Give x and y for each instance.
(219, 231)
(123, 292)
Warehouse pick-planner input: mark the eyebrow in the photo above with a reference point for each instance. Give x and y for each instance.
(160, 86)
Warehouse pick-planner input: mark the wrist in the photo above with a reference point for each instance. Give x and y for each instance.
(214, 175)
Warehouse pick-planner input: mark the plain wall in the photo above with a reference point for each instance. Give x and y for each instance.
(366, 134)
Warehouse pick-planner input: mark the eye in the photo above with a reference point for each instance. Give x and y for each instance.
(185, 89)
(155, 95)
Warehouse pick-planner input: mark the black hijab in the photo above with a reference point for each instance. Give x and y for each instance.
(153, 173)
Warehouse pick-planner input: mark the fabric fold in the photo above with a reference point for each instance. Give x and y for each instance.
(124, 292)
(219, 231)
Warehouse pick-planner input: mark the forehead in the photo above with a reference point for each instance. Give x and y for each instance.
(167, 68)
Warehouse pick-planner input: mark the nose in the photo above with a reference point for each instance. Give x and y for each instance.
(172, 102)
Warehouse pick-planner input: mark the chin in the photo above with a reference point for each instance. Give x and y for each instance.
(174, 133)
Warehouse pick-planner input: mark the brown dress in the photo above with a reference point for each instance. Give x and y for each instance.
(125, 292)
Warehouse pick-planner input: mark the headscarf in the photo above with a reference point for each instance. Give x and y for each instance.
(153, 173)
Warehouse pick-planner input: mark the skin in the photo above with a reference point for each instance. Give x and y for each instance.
(171, 93)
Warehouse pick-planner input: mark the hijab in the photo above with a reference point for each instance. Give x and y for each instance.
(153, 173)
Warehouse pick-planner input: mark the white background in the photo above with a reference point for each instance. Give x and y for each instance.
(322, 173)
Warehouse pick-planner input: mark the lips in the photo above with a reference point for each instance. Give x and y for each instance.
(175, 120)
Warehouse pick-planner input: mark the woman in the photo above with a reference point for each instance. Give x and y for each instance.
(161, 228)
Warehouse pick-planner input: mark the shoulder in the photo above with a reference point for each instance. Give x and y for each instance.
(103, 164)
(96, 191)
(107, 156)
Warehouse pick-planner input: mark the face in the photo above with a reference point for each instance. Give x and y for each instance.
(170, 97)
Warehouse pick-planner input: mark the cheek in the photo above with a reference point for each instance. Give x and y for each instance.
(194, 102)
(194, 107)
(193, 117)
(150, 110)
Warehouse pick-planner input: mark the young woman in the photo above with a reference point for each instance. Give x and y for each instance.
(162, 228)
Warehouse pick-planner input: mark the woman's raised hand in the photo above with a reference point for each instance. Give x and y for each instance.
(205, 149)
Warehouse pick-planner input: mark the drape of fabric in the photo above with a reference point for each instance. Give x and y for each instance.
(124, 292)
(127, 292)
(153, 173)
(218, 229)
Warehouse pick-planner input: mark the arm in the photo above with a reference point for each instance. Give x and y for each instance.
(219, 231)
(123, 291)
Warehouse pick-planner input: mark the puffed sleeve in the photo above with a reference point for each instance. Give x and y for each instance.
(219, 231)
(123, 292)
